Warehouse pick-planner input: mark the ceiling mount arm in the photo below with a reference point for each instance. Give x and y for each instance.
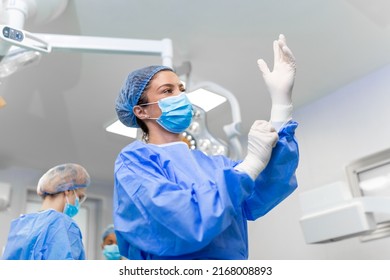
(15, 13)
(46, 43)
(11, 36)
(109, 45)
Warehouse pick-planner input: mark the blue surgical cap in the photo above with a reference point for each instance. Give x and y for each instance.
(109, 229)
(131, 91)
(63, 177)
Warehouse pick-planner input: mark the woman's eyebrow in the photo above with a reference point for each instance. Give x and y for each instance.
(171, 85)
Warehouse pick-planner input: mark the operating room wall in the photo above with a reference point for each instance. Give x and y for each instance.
(346, 125)
(23, 179)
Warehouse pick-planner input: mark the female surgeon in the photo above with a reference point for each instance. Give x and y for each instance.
(51, 233)
(171, 202)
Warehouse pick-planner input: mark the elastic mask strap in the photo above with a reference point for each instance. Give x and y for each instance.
(146, 104)
(76, 196)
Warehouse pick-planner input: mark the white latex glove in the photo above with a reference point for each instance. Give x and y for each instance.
(280, 81)
(262, 138)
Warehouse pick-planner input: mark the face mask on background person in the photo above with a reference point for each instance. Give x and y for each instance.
(111, 252)
(72, 210)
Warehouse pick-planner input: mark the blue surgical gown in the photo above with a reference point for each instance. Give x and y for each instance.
(171, 202)
(46, 235)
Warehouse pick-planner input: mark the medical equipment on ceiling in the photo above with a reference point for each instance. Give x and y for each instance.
(198, 128)
(20, 48)
(338, 211)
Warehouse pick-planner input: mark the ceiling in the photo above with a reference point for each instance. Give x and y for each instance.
(56, 111)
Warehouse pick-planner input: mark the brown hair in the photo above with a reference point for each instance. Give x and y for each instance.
(142, 100)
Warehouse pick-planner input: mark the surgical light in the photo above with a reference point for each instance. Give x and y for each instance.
(18, 59)
(118, 128)
(19, 49)
(16, 37)
(14, 13)
(205, 99)
(200, 138)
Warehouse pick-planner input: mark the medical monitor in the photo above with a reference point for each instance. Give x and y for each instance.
(370, 176)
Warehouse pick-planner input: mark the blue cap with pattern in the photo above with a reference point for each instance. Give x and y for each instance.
(109, 229)
(131, 91)
(63, 177)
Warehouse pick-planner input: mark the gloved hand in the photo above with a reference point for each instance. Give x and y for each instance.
(280, 81)
(262, 138)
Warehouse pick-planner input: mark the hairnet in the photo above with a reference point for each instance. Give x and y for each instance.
(63, 177)
(109, 229)
(131, 91)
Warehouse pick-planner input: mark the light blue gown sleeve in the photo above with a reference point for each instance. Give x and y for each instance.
(48, 235)
(168, 209)
(278, 179)
(64, 242)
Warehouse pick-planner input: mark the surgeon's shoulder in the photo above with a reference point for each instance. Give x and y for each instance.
(54, 215)
(63, 220)
(137, 151)
(54, 219)
(134, 148)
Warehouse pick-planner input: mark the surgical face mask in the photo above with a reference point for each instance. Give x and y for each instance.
(111, 252)
(72, 210)
(176, 113)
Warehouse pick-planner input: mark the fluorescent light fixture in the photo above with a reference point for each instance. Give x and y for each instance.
(119, 128)
(205, 99)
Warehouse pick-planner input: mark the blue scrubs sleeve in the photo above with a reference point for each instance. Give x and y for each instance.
(65, 243)
(167, 217)
(278, 179)
(47, 235)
